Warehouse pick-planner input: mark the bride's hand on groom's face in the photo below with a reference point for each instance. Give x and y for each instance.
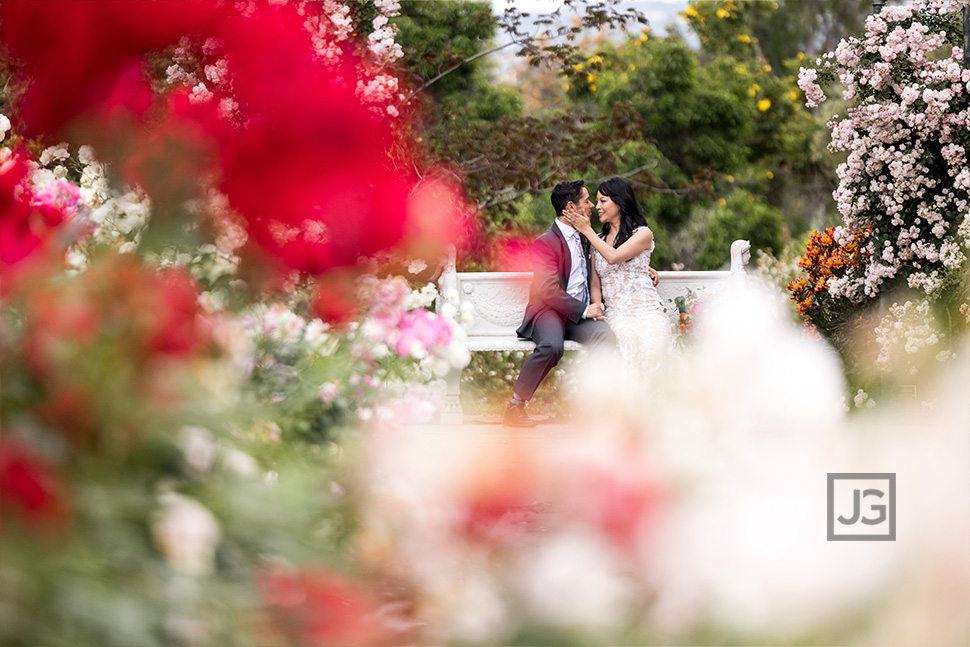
(575, 219)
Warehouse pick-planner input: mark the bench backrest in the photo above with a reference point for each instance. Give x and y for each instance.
(498, 299)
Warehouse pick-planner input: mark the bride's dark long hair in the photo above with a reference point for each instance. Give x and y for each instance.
(631, 214)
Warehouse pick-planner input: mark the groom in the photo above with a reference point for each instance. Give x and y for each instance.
(559, 306)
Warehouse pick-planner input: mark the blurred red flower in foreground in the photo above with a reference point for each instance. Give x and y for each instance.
(77, 56)
(512, 253)
(318, 608)
(310, 170)
(317, 178)
(177, 327)
(29, 487)
(119, 330)
(335, 300)
(439, 214)
(146, 312)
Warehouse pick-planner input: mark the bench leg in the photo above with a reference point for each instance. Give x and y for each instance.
(451, 411)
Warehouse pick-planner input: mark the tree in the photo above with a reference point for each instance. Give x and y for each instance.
(478, 127)
(739, 216)
(721, 126)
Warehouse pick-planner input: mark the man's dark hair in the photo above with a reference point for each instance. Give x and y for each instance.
(566, 192)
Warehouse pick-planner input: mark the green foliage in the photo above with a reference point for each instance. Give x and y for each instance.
(739, 216)
(716, 121)
(686, 127)
(477, 127)
(436, 36)
(695, 122)
(778, 30)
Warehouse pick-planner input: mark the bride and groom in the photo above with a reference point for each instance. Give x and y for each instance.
(603, 299)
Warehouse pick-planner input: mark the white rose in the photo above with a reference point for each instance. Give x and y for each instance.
(186, 534)
(54, 153)
(85, 155)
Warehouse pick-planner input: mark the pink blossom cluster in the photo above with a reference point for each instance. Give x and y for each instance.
(381, 41)
(329, 29)
(392, 327)
(381, 90)
(907, 329)
(813, 92)
(905, 135)
(332, 28)
(62, 196)
(422, 332)
(944, 6)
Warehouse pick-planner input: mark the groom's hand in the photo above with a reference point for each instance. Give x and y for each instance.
(595, 311)
(654, 276)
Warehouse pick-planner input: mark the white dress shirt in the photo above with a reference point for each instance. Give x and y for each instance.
(576, 285)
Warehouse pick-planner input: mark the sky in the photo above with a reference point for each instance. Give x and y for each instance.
(660, 13)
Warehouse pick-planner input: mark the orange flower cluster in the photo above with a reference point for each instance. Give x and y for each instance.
(825, 259)
(684, 323)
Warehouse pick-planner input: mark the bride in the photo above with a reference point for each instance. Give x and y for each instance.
(622, 278)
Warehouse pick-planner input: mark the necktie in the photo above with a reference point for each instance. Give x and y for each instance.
(581, 259)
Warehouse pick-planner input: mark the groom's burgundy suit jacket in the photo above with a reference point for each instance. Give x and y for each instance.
(551, 264)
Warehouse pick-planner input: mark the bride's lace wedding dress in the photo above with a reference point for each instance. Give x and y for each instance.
(635, 313)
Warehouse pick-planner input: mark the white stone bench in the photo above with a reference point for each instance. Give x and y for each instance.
(497, 302)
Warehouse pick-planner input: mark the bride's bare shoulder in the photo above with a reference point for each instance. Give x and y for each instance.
(643, 234)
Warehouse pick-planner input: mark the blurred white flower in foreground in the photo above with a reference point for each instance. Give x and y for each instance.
(576, 580)
(186, 533)
(697, 505)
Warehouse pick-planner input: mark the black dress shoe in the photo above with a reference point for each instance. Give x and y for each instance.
(515, 416)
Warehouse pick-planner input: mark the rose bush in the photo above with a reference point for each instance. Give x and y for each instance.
(903, 186)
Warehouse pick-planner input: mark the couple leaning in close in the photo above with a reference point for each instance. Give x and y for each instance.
(605, 299)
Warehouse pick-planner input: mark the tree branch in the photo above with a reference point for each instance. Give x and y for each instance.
(454, 67)
(526, 41)
(522, 192)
